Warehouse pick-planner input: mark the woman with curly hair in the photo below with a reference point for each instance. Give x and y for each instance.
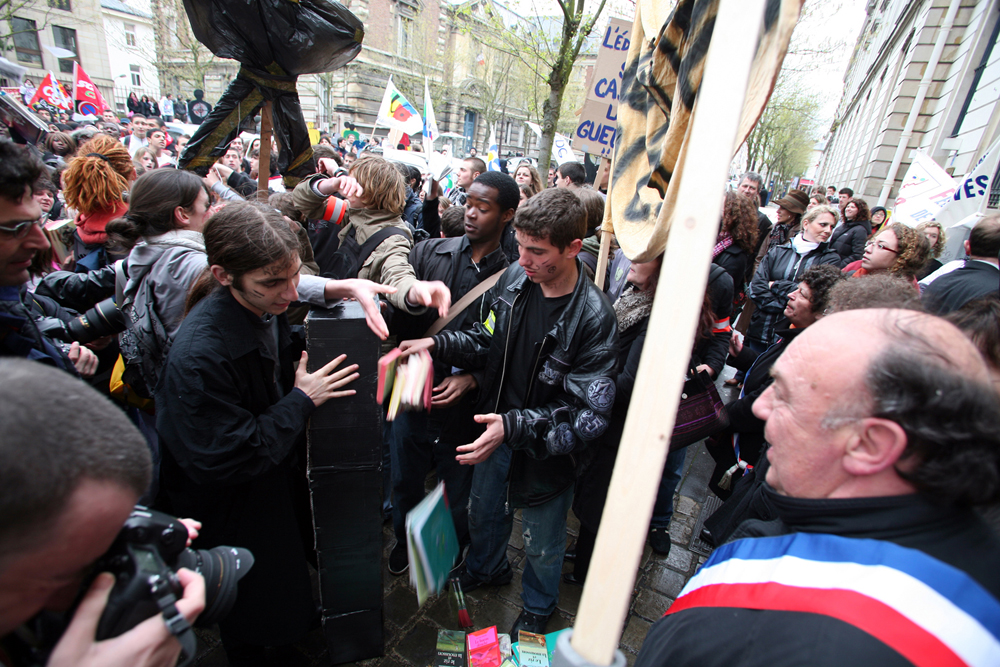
(897, 250)
(734, 246)
(849, 239)
(525, 174)
(94, 185)
(937, 239)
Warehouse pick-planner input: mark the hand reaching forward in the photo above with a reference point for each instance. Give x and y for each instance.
(480, 450)
(408, 347)
(431, 293)
(451, 389)
(322, 385)
(366, 293)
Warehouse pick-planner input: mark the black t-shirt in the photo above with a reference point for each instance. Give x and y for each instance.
(540, 315)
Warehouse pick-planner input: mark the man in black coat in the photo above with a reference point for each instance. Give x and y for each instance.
(878, 453)
(978, 278)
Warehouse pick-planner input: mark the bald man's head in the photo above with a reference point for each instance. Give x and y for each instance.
(909, 410)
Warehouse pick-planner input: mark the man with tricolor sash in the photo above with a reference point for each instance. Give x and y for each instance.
(878, 454)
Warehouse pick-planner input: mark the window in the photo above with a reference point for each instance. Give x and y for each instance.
(404, 35)
(136, 72)
(130, 34)
(64, 5)
(65, 38)
(26, 41)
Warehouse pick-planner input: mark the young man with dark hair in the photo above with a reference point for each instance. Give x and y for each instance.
(571, 175)
(420, 441)
(137, 139)
(978, 278)
(843, 197)
(544, 358)
(468, 172)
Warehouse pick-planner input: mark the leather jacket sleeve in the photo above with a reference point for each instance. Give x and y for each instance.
(78, 291)
(762, 294)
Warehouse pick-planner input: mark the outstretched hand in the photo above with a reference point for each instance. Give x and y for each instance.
(366, 292)
(323, 384)
(451, 389)
(480, 449)
(408, 347)
(431, 293)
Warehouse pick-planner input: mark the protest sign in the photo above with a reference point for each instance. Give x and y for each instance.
(926, 189)
(595, 132)
(969, 200)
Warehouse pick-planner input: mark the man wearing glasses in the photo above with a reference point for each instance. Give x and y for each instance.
(21, 236)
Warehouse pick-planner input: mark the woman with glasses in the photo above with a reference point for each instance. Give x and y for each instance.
(897, 250)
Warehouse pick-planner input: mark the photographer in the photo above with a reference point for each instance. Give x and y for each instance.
(69, 477)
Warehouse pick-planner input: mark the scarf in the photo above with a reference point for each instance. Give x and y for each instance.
(802, 246)
(90, 226)
(633, 307)
(724, 241)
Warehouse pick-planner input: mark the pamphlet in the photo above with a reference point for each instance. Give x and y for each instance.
(484, 648)
(450, 649)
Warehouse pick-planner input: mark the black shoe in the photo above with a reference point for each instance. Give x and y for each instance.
(470, 582)
(572, 579)
(529, 623)
(570, 554)
(399, 561)
(706, 537)
(659, 540)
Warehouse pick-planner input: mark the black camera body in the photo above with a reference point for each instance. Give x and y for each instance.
(104, 319)
(144, 559)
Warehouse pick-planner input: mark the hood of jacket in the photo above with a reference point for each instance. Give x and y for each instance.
(151, 249)
(90, 226)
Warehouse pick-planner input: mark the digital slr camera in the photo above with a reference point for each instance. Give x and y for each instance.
(145, 557)
(104, 319)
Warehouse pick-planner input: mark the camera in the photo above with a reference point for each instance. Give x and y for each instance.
(145, 557)
(104, 319)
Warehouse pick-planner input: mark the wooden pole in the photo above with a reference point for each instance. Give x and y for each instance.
(672, 325)
(264, 160)
(602, 256)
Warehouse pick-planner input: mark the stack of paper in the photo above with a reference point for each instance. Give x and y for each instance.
(431, 543)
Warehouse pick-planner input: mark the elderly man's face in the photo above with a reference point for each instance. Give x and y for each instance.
(748, 188)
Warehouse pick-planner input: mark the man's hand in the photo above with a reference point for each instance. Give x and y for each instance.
(435, 190)
(193, 526)
(735, 345)
(408, 347)
(705, 368)
(480, 450)
(365, 292)
(211, 178)
(223, 171)
(328, 166)
(84, 360)
(451, 389)
(322, 385)
(148, 644)
(431, 293)
(343, 185)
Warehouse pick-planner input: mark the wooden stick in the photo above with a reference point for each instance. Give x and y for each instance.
(602, 256)
(264, 159)
(672, 324)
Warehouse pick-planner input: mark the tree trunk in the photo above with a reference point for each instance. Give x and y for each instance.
(550, 121)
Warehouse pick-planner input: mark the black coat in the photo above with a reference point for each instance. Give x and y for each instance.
(848, 240)
(232, 441)
(736, 261)
(953, 290)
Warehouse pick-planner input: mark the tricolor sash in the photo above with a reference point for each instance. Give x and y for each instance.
(931, 613)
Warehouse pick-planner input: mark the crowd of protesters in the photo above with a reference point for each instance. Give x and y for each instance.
(532, 378)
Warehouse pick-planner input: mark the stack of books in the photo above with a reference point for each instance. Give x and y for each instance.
(405, 384)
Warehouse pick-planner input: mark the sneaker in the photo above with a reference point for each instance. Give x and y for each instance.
(529, 623)
(399, 561)
(659, 540)
(471, 582)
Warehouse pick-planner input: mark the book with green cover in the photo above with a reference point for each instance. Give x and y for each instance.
(450, 649)
(431, 543)
(533, 652)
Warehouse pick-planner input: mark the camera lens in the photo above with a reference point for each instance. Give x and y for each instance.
(222, 568)
(104, 319)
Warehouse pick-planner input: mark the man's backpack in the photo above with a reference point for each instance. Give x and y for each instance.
(351, 255)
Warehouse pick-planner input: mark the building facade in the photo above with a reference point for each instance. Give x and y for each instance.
(131, 44)
(924, 76)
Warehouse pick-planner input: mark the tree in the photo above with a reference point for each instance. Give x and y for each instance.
(180, 57)
(781, 142)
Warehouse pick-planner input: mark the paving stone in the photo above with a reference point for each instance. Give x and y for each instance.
(680, 559)
(495, 612)
(442, 610)
(569, 597)
(512, 591)
(679, 533)
(400, 605)
(572, 524)
(517, 536)
(419, 646)
(666, 581)
(558, 622)
(686, 506)
(630, 658)
(650, 605)
(635, 633)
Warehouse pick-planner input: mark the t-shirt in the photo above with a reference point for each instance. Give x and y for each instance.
(540, 315)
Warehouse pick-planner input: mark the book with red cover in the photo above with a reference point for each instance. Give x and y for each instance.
(484, 648)
(386, 374)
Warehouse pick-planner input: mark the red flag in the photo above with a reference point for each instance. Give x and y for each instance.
(52, 92)
(88, 98)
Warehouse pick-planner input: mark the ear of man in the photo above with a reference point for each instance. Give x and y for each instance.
(224, 277)
(875, 447)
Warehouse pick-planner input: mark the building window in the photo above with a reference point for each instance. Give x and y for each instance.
(130, 34)
(64, 5)
(65, 38)
(136, 73)
(26, 41)
(404, 37)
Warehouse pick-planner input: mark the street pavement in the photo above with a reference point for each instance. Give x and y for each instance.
(411, 632)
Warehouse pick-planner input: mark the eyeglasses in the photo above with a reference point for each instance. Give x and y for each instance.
(21, 229)
(881, 246)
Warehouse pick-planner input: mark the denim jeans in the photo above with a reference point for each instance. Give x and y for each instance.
(490, 518)
(663, 508)
(545, 546)
(417, 448)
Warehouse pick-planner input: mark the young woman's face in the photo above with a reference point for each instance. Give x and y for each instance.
(147, 161)
(819, 229)
(851, 211)
(932, 234)
(784, 215)
(881, 252)
(523, 177)
(878, 218)
(44, 199)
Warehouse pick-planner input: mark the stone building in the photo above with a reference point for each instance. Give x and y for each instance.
(924, 76)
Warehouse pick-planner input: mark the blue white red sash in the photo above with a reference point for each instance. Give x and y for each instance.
(930, 612)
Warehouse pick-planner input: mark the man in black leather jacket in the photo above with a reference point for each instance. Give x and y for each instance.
(544, 360)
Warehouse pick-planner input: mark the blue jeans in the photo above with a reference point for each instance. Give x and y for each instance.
(490, 517)
(417, 448)
(663, 508)
(545, 546)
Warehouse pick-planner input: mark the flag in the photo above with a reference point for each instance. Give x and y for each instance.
(561, 151)
(430, 124)
(88, 98)
(493, 152)
(52, 92)
(397, 113)
(969, 200)
(534, 127)
(926, 189)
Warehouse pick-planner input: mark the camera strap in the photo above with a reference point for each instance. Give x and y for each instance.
(176, 623)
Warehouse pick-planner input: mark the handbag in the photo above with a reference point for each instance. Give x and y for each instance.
(701, 412)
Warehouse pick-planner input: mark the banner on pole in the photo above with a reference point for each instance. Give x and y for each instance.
(973, 192)
(430, 123)
(562, 152)
(596, 129)
(926, 189)
(52, 93)
(493, 151)
(88, 98)
(397, 113)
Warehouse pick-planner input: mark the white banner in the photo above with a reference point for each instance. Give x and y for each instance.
(561, 150)
(969, 201)
(926, 189)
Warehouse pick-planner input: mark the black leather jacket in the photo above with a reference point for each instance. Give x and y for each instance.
(572, 387)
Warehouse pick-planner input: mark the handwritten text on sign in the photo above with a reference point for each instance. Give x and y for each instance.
(595, 133)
